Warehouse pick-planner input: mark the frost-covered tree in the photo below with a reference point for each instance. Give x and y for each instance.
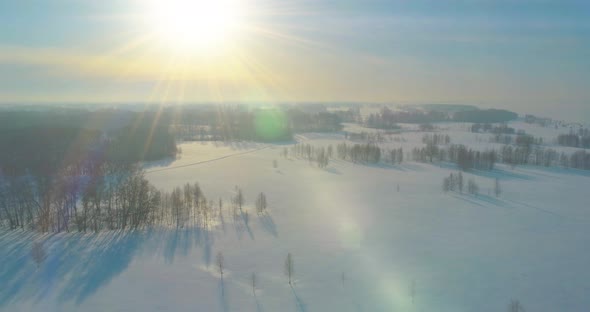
(253, 282)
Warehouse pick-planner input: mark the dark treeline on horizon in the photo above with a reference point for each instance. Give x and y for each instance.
(388, 119)
(263, 125)
(43, 142)
(37, 145)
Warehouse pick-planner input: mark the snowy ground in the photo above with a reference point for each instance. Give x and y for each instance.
(453, 252)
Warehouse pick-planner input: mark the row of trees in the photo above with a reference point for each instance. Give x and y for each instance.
(231, 123)
(488, 127)
(574, 140)
(463, 157)
(467, 159)
(395, 156)
(320, 155)
(366, 153)
(116, 197)
(388, 119)
(455, 183)
(436, 139)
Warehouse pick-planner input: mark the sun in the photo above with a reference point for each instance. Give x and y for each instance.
(194, 25)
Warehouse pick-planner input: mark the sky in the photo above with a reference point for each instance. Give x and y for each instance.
(525, 55)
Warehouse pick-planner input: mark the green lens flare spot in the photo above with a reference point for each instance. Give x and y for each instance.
(270, 124)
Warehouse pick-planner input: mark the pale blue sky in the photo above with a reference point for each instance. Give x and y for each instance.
(528, 55)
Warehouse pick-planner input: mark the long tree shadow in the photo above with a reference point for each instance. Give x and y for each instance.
(205, 241)
(246, 221)
(171, 244)
(268, 224)
(223, 301)
(259, 307)
(537, 208)
(480, 199)
(238, 225)
(299, 304)
(17, 269)
(180, 242)
(77, 265)
(105, 257)
(89, 261)
(497, 172)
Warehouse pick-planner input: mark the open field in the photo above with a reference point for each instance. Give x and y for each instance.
(358, 243)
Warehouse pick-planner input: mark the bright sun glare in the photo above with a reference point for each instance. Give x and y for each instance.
(194, 25)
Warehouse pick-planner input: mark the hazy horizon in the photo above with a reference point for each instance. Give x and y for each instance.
(528, 56)
(580, 116)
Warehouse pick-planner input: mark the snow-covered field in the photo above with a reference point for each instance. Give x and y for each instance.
(358, 243)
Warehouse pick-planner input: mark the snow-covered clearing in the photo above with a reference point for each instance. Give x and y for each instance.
(358, 243)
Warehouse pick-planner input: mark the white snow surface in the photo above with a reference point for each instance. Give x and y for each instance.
(358, 244)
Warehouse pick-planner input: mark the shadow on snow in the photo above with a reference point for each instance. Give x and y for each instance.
(77, 265)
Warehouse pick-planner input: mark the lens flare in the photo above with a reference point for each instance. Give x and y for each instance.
(270, 124)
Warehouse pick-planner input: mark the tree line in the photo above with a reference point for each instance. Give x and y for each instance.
(49, 147)
(575, 140)
(389, 119)
(467, 159)
(319, 155)
(235, 123)
(109, 197)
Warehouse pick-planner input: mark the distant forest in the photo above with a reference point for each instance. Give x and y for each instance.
(388, 119)
(43, 142)
(262, 125)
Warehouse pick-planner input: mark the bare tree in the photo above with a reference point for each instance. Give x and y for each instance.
(497, 188)
(289, 267)
(446, 185)
(239, 199)
(253, 280)
(261, 203)
(38, 253)
(219, 261)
